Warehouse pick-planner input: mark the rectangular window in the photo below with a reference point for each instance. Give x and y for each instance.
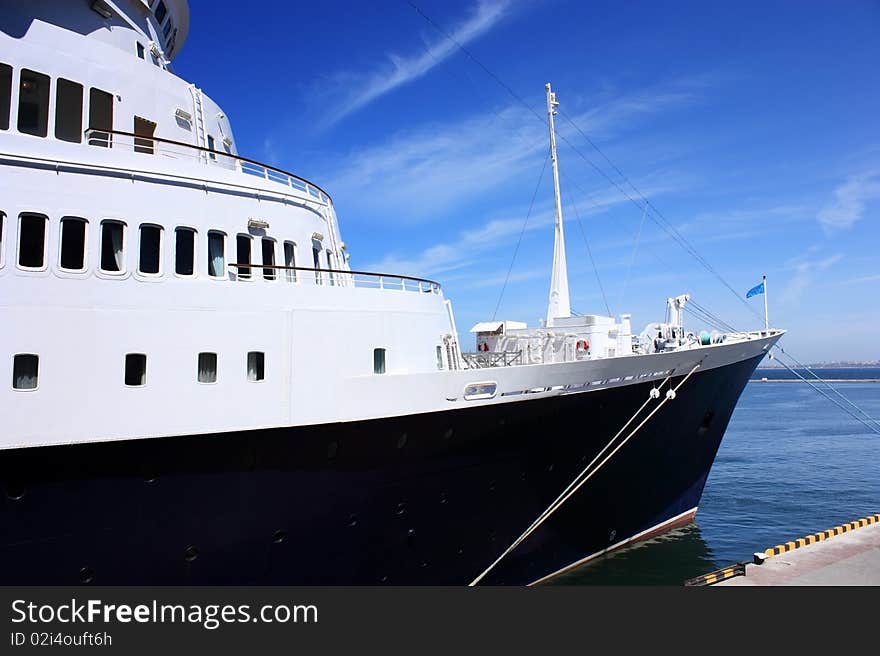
(167, 29)
(112, 247)
(243, 255)
(256, 366)
(161, 12)
(100, 117)
(5, 95)
(330, 266)
(439, 357)
(268, 258)
(68, 111)
(32, 241)
(290, 260)
(33, 103)
(185, 251)
(25, 371)
(316, 258)
(140, 50)
(135, 369)
(211, 147)
(216, 254)
(73, 244)
(207, 367)
(379, 361)
(144, 129)
(2, 225)
(150, 259)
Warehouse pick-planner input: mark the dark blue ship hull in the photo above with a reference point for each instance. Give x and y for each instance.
(421, 499)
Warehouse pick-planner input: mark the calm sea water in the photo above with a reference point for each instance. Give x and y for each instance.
(790, 464)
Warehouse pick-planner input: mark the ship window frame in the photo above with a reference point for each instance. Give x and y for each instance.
(122, 270)
(212, 147)
(43, 104)
(101, 137)
(6, 96)
(257, 372)
(141, 51)
(317, 247)
(290, 274)
(269, 274)
(380, 361)
(160, 7)
(194, 258)
(135, 368)
(440, 357)
(36, 359)
(211, 371)
(64, 105)
(330, 266)
(223, 271)
(160, 256)
(45, 238)
(244, 272)
(67, 219)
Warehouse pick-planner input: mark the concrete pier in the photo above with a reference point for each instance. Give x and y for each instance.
(849, 558)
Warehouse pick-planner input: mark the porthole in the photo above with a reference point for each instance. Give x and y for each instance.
(401, 441)
(86, 575)
(278, 537)
(706, 423)
(190, 554)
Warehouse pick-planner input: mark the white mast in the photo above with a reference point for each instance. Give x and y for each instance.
(766, 316)
(560, 304)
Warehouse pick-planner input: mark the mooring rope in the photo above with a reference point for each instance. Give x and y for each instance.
(822, 392)
(823, 381)
(587, 473)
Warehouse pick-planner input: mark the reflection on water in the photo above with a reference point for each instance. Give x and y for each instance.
(667, 559)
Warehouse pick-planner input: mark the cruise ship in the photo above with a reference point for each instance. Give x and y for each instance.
(198, 387)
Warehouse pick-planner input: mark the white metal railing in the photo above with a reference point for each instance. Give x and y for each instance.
(333, 277)
(179, 150)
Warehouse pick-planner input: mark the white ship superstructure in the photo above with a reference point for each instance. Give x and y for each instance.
(198, 309)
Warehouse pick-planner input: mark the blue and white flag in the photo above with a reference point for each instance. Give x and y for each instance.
(754, 291)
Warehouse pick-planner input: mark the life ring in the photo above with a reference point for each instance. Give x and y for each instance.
(583, 345)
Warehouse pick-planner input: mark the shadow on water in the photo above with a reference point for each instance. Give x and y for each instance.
(667, 559)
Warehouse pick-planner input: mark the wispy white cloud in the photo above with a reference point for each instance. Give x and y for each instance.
(421, 173)
(860, 280)
(360, 89)
(425, 172)
(850, 201)
(470, 246)
(805, 272)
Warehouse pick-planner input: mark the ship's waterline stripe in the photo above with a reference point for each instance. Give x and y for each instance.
(654, 529)
(820, 536)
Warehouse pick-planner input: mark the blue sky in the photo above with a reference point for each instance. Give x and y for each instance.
(751, 126)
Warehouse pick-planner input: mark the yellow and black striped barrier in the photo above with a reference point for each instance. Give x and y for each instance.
(818, 537)
(737, 569)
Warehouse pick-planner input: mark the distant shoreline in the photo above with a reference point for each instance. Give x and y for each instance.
(823, 380)
(823, 366)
